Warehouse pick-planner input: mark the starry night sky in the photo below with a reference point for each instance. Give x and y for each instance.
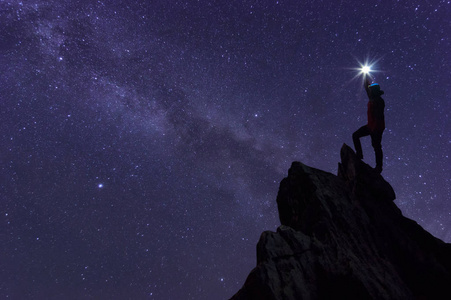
(143, 142)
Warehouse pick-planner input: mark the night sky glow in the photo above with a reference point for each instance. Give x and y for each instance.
(143, 142)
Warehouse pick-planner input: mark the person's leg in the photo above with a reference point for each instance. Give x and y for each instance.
(361, 132)
(376, 142)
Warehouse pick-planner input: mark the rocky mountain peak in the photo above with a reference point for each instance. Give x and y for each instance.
(343, 237)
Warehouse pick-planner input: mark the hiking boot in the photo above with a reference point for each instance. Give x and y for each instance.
(378, 169)
(359, 155)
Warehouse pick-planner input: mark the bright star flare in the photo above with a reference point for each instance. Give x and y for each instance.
(365, 68)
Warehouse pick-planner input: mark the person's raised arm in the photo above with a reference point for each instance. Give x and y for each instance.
(366, 83)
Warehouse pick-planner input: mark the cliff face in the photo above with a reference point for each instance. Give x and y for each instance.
(342, 237)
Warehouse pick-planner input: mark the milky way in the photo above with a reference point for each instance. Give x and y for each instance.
(143, 142)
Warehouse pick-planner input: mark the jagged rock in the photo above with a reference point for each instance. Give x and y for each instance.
(343, 237)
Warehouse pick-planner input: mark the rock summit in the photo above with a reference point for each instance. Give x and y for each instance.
(343, 237)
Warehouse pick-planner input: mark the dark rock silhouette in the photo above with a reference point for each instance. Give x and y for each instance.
(343, 237)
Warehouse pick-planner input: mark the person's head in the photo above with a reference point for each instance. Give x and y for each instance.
(375, 90)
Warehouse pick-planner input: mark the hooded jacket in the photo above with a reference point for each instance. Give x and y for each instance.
(376, 106)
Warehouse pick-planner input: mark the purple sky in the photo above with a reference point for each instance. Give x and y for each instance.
(143, 142)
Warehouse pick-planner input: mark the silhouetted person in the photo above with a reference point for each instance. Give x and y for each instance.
(376, 123)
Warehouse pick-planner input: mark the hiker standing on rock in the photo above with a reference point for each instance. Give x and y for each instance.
(376, 123)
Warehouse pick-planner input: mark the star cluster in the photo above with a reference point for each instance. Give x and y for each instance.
(143, 142)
